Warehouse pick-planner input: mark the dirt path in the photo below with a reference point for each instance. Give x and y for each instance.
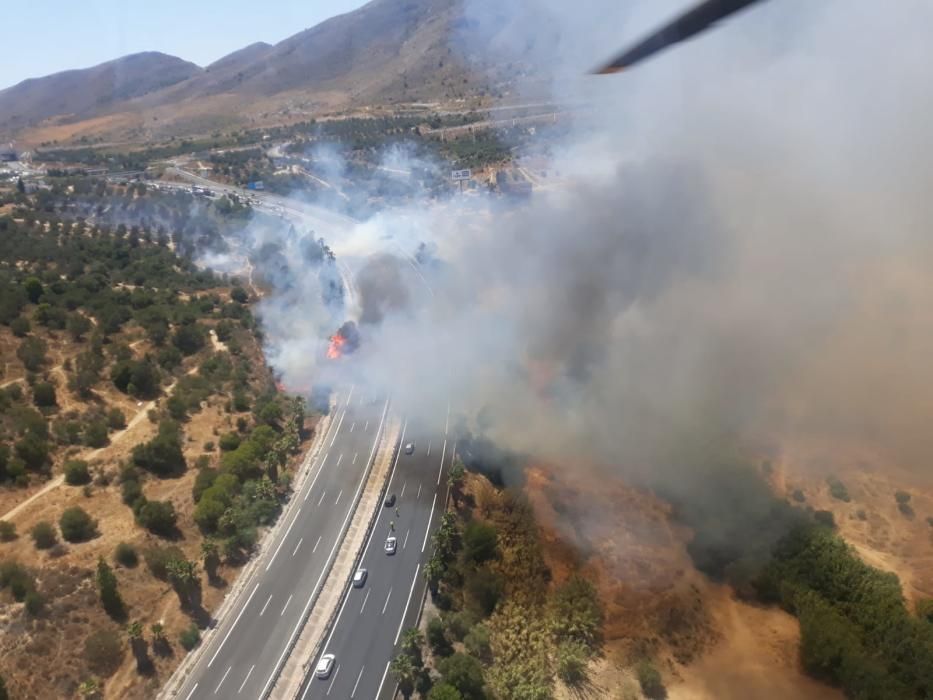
(142, 413)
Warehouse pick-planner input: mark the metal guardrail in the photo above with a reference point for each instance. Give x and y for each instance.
(356, 560)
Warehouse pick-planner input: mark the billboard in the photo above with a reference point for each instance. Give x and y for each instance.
(460, 175)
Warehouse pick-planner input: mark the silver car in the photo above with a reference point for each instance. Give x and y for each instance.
(325, 666)
(391, 545)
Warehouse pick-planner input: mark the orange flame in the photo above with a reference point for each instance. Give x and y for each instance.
(335, 351)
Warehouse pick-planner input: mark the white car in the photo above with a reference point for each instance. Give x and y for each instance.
(391, 545)
(325, 666)
(359, 578)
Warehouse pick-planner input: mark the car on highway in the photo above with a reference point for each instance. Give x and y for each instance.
(409, 448)
(390, 500)
(359, 578)
(325, 666)
(391, 545)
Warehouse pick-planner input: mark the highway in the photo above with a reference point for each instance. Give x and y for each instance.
(246, 651)
(372, 618)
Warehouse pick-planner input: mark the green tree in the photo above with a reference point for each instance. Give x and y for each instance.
(33, 288)
(7, 531)
(20, 326)
(43, 395)
(405, 673)
(116, 420)
(189, 339)
(162, 455)
(34, 603)
(76, 525)
(107, 587)
(190, 637)
(479, 542)
(78, 325)
(444, 691)
(125, 555)
(158, 517)
(43, 535)
(411, 643)
(575, 612)
(239, 295)
(650, 680)
(76, 472)
(31, 352)
(464, 673)
(572, 660)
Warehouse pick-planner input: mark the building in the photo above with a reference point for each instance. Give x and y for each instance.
(7, 154)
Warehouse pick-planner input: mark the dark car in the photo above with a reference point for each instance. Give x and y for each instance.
(390, 500)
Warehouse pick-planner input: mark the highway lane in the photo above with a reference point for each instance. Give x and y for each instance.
(256, 633)
(371, 619)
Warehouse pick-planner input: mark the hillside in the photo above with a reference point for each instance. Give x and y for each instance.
(386, 52)
(81, 93)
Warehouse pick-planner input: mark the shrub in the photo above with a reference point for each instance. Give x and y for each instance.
(131, 491)
(575, 612)
(95, 433)
(109, 595)
(103, 652)
(479, 542)
(464, 673)
(158, 558)
(838, 490)
(125, 555)
(116, 420)
(76, 472)
(43, 394)
(906, 509)
(902, 497)
(798, 496)
(43, 535)
(34, 603)
(162, 455)
(650, 680)
(572, 659)
(229, 442)
(190, 637)
(158, 517)
(76, 525)
(825, 518)
(477, 642)
(20, 326)
(437, 638)
(7, 531)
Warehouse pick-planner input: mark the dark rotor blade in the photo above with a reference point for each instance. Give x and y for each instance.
(687, 25)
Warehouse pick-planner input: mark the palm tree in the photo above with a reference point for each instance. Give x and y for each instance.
(412, 642)
(135, 630)
(403, 668)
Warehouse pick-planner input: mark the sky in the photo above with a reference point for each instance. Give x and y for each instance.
(46, 36)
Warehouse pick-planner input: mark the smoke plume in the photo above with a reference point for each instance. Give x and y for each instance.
(736, 248)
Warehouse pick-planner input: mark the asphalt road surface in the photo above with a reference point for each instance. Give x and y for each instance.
(252, 642)
(372, 618)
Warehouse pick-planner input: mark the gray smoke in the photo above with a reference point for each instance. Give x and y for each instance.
(738, 247)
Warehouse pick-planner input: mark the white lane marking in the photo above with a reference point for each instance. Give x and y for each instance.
(429, 449)
(284, 537)
(368, 591)
(355, 455)
(315, 545)
(336, 671)
(366, 427)
(248, 674)
(353, 692)
(379, 691)
(406, 538)
(441, 469)
(192, 692)
(402, 494)
(297, 628)
(386, 604)
(284, 607)
(319, 470)
(297, 546)
(418, 497)
(430, 518)
(447, 423)
(338, 497)
(217, 689)
(239, 615)
(340, 459)
(352, 426)
(405, 612)
(337, 431)
(350, 395)
(266, 605)
(321, 499)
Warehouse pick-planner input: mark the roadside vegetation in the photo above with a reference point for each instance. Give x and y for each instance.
(503, 627)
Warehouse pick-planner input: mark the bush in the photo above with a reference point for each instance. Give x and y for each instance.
(477, 643)
(902, 497)
(464, 673)
(34, 603)
(125, 555)
(239, 295)
(650, 680)
(31, 352)
(20, 326)
(825, 518)
(444, 691)
(95, 433)
(189, 339)
(229, 442)
(158, 517)
(116, 420)
(572, 659)
(479, 542)
(162, 455)
(190, 637)
(576, 613)
(131, 491)
(437, 638)
(838, 490)
(76, 525)
(76, 472)
(158, 558)
(798, 496)
(906, 509)
(7, 531)
(103, 652)
(43, 535)
(43, 395)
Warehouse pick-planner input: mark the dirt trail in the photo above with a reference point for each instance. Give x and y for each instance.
(93, 454)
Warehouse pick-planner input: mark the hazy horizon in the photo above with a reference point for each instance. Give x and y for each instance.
(87, 34)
